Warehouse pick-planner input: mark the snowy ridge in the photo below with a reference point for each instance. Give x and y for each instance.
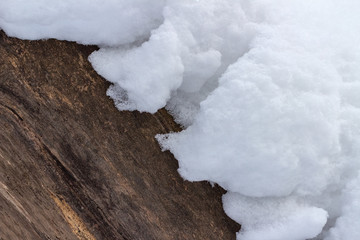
(268, 92)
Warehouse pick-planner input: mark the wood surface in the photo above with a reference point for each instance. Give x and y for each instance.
(74, 167)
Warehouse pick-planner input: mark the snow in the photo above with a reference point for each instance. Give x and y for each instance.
(273, 218)
(182, 54)
(347, 226)
(267, 92)
(108, 23)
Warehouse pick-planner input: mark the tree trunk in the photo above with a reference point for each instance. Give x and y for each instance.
(74, 167)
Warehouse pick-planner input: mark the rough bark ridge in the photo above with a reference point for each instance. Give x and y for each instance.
(73, 167)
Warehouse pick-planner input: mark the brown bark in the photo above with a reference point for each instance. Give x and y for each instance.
(73, 167)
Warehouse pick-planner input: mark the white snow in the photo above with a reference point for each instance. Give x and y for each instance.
(193, 46)
(273, 218)
(268, 92)
(100, 22)
(347, 226)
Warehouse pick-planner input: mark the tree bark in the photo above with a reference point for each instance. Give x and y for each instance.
(74, 167)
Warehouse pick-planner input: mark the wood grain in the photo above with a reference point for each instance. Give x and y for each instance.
(73, 167)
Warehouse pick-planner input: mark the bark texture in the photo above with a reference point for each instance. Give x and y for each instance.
(73, 167)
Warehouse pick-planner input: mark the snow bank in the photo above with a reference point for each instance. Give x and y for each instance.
(283, 122)
(268, 92)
